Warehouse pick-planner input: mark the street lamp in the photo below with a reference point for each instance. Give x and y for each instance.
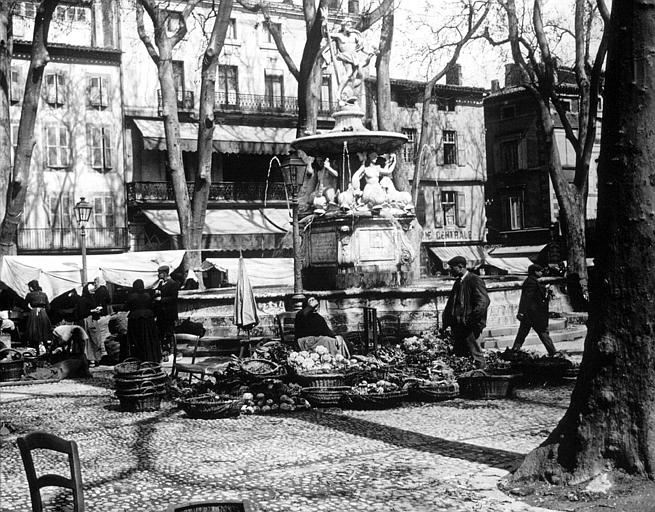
(293, 171)
(82, 215)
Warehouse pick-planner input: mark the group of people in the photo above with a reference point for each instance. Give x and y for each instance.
(151, 318)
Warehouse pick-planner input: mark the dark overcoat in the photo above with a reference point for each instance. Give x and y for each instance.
(475, 302)
(534, 303)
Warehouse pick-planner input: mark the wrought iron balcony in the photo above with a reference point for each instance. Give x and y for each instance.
(68, 239)
(257, 103)
(185, 100)
(139, 191)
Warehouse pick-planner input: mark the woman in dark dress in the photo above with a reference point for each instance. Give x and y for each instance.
(142, 335)
(39, 329)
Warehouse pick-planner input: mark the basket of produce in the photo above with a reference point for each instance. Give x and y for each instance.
(320, 379)
(478, 384)
(11, 365)
(434, 392)
(210, 406)
(143, 402)
(282, 398)
(380, 395)
(32, 361)
(324, 396)
(318, 368)
(137, 388)
(259, 369)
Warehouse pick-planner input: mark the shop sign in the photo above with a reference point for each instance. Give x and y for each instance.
(431, 235)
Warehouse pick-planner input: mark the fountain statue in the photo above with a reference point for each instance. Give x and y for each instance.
(359, 229)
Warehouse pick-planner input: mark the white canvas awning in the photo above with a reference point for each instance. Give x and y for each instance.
(516, 251)
(221, 222)
(261, 271)
(227, 138)
(511, 265)
(59, 274)
(474, 254)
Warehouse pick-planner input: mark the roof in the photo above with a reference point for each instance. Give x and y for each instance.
(438, 88)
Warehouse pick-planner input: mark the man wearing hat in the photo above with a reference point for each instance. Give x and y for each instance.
(533, 310)
(166, 299)
(466, 311)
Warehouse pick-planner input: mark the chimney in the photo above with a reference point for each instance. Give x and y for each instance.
(353, 7)
(454, 75)
(514, 75)
(495, 86)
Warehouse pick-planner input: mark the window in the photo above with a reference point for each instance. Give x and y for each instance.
(232, 29)
(409, 149)
(449, 147)
(25, 9)
(61, 210)
(326, 93)
(513, 211)
(269, 35)
(60, 14)
(99, 143)
(508, 112)
(228, 85)
(55, 85)
(103, 212)
(98, 92)
(173, 21)
(178, 78)
(274, 90)
(509, 155)
(16, 91)
(56, 146)
(566, 104)
(448, 104)
(449, 208)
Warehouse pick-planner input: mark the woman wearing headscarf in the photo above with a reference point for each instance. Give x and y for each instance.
(142, 335)
(87, 309)
(39, 329)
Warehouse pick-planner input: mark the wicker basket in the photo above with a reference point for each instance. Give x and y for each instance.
(11, 370)
(321, 380)
(434, 393)
(134, 368)
(255, 370)
(129, 383)
(485, 386)
(355, 400)
(141, 388)
(140, 403)
(325, 397)
(209, 407)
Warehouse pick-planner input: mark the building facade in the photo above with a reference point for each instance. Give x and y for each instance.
(522, 209)
(451, 196)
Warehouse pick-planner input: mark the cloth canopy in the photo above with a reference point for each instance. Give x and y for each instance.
(514, 251)
(261, 271)
(222, 222)
(474, 254)
(511, 265)
(245, 305)
(226, 139)
(59, 274)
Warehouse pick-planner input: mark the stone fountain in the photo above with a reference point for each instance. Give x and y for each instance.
(355, 235)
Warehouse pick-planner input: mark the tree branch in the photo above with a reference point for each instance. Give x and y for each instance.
(367, 20)
(182, 28)
(143, 35)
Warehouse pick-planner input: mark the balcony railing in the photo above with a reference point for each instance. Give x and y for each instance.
(223, 191)
(258, 103)
(63, 239)
(185, 100)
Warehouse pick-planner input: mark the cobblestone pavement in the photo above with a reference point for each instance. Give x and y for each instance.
(419, 457)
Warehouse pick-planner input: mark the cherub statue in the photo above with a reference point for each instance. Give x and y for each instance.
(325, 193)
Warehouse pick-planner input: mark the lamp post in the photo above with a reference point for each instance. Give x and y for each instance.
(82, 215)
(293, 171)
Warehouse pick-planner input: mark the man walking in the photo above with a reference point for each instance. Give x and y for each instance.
(466, 311)
(166, 299)
(533, 310)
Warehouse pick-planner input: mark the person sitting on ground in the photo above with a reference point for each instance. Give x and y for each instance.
(312, 330)
(69, 341)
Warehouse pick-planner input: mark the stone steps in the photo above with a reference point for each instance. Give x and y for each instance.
(554, 324)
(573, 333)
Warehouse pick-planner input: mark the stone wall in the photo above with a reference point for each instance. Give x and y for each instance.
(419, 308)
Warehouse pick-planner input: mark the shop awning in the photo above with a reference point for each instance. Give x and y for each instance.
(517, 251)
(511, 265)
(227, 138)
(474, 254)
(261, 271)
(233, 230)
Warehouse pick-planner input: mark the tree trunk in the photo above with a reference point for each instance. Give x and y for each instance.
(611, 419)
(5, 98)
(203, 179)
(17, 189)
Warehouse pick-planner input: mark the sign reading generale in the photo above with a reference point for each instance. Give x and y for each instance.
(430, 235)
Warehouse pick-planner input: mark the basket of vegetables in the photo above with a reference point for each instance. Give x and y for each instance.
(11, 365)
(379, 395)
(318, 368)
(325, 396)
(210, 406)
(261, 369)
(478, 384)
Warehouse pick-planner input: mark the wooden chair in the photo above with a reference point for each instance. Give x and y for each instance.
(190, 368)
(44, 440)
(213, 506)
(286, 326)
(389, 329)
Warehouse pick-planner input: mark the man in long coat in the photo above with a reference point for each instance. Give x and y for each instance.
(166, 294)
(466, 311)
(533, 310)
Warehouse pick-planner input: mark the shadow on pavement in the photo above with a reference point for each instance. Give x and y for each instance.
(416, 441)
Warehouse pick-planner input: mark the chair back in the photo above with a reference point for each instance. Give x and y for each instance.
(190, 339)
(47, 441)
(286, 326)
(389, 329)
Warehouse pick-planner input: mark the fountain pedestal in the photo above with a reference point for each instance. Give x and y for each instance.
(361, 251)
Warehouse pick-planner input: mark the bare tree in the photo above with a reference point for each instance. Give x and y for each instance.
(609, 422)
(17, 178)
(467, 26)
(540, 67)
(191, 211)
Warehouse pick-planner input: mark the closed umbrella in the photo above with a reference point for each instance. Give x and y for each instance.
(245, 307)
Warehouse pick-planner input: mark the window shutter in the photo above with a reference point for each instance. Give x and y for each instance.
(62, 81)
(429, 207)
(105, 92)
(16, 84)
(438, 210)
(51, 89)
(461, 150)
(64, 147)
(461, 209)
(93, 91)
(89, 143)
(106, 141)
(523, 153)
(440, 151)
(420, 207)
